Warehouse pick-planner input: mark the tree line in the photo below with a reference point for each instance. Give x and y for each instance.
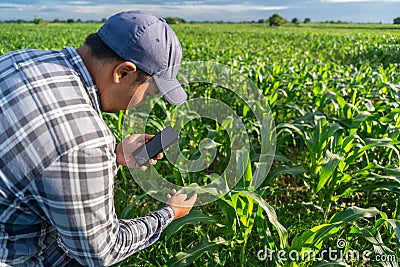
(274, 20)
(37, 20)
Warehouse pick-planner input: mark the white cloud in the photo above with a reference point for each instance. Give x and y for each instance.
(165, 10)
(11, 7)
(78, 3)
(226, 8)
(201, 10)
(359, 1)
(344, 1)
(178, 8)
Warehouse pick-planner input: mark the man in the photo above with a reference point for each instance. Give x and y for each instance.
(57, 156)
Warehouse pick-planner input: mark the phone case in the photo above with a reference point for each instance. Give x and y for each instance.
(155, 145)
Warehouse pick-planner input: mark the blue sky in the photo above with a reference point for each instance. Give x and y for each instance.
(199, 10)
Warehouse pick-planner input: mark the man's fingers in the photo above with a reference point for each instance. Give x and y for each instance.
(194, 196)
(173, 191)
(184, 201)
(143, 168)
(192, 199)
(148, 137)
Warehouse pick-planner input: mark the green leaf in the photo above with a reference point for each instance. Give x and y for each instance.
(282, 170)
(313, 238)
(189, 256)
(379, 246)
(195, 216)
(243, 169)
(328, 264)
(331, 161)
(382, 142)
(260, 174)
(396, 227)
(352, 214)
(273, 219)
(393, 187)
(262, 227)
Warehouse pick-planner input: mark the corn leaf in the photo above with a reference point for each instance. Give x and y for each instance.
(195, 216)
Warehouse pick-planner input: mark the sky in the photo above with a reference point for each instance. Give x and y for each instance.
(356, 11)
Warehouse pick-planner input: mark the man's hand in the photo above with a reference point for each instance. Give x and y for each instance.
(180, 204)
(128, 145)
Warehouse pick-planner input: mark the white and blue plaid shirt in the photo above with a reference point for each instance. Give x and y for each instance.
(57, 165)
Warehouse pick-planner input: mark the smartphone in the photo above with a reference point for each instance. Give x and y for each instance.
(155, 145)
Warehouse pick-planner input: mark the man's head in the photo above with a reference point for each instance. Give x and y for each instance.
(103, 53)
(151, 44)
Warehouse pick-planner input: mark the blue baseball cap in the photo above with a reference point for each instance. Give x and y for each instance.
(151, 44)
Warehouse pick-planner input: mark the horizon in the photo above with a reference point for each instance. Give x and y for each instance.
(350, 11)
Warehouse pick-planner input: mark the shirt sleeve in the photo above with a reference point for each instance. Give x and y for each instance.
(76, 195)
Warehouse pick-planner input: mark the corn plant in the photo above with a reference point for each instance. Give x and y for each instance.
(242, 210)
(310, 245)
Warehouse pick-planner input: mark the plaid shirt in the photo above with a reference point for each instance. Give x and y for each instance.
(57, 165)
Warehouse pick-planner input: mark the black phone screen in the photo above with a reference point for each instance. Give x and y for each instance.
(155, 145)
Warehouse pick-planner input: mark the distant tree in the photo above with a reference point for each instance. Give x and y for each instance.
(103, 20)
(56, 20)
(37, 20)
(396, 20)
(262, 21)
(296, 21)
(307, 20)
(70, 20)
(176, 20)
(276, 20)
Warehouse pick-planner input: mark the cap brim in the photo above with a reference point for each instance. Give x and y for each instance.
(171, 89)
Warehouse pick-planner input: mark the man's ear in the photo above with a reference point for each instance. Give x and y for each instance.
(123, 70)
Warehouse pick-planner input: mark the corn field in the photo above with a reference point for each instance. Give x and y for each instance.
(332, 194)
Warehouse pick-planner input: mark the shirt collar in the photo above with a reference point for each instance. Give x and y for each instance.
(78, 65)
